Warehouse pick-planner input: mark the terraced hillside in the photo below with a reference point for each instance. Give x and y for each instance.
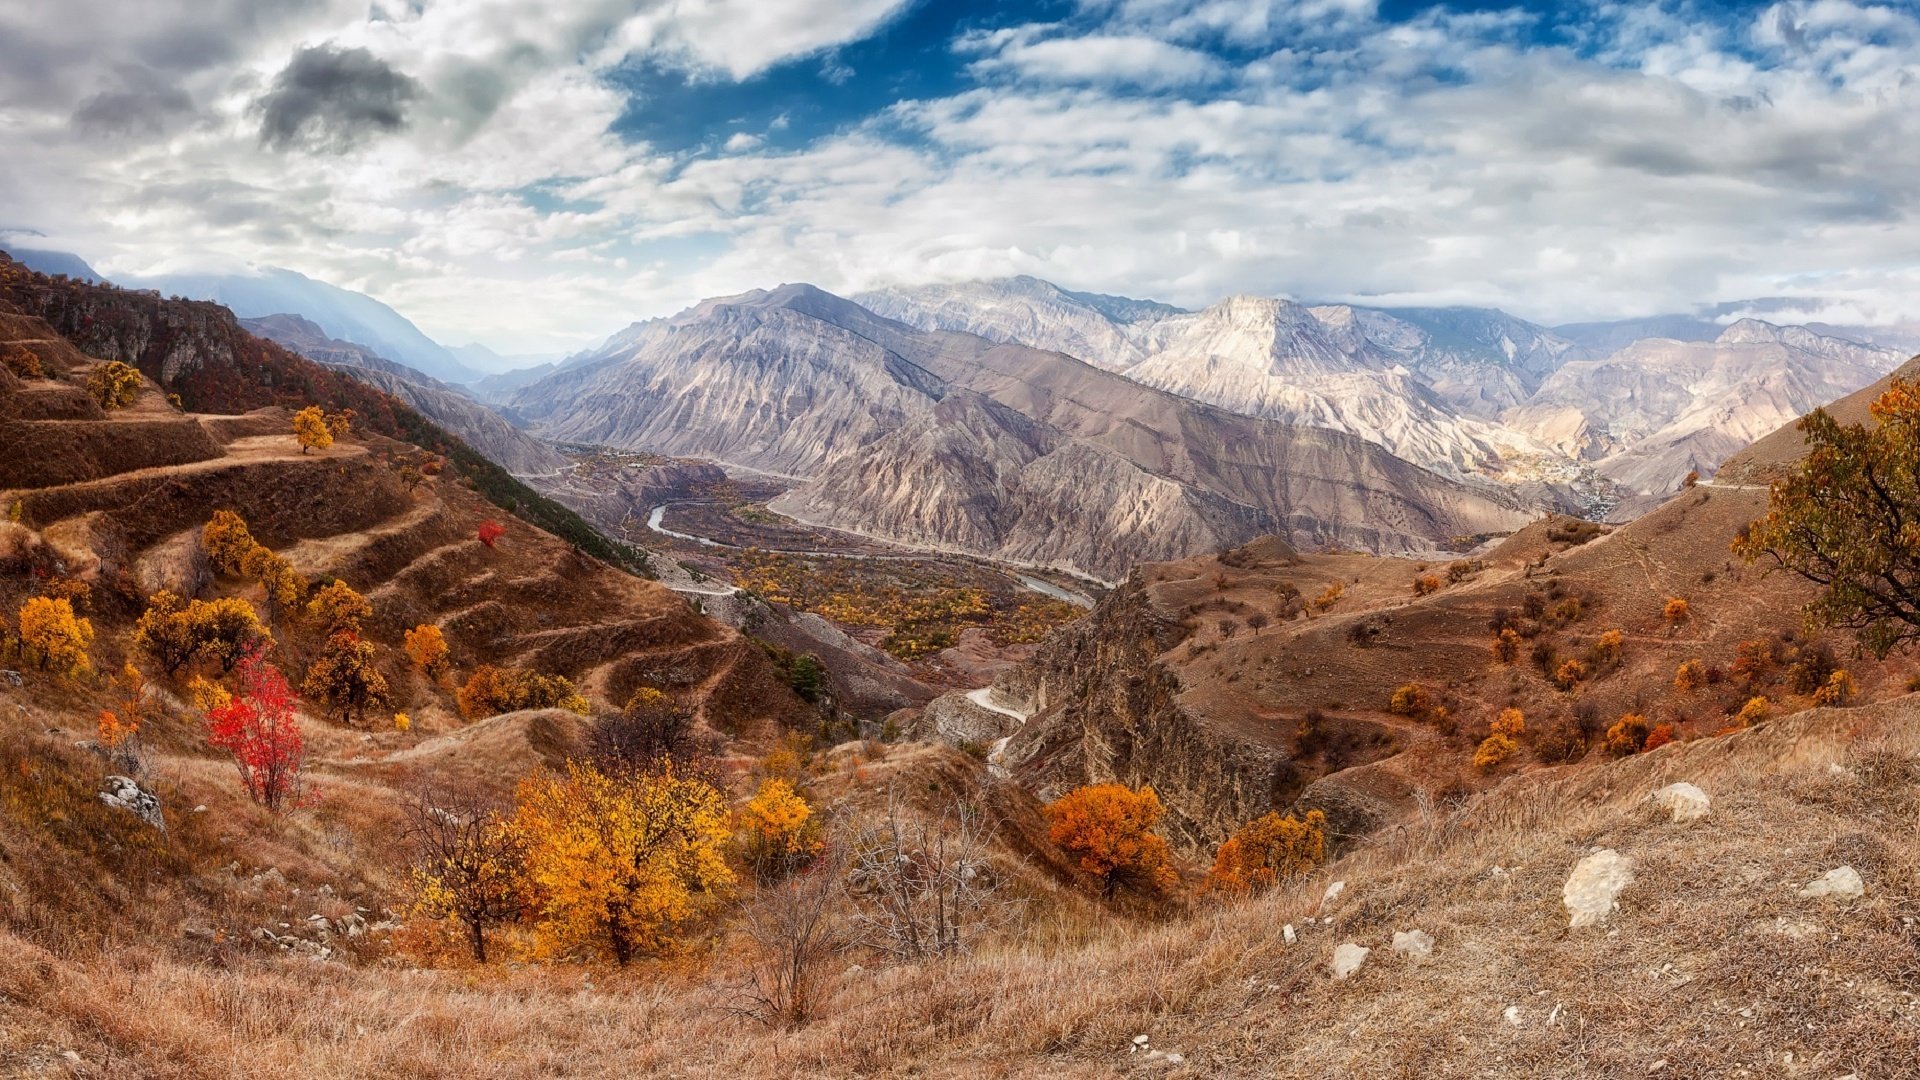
(119, 498)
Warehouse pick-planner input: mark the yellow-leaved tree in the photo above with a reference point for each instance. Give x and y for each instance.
(114, 385)
(55, 637)
(310, 427)
(779, 832)
(618, 862)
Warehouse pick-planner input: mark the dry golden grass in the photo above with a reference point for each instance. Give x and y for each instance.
(1713, 964)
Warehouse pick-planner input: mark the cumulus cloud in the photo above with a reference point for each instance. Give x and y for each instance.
(332, 98)
(1610, 158)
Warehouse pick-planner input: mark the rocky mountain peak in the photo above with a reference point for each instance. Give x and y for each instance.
(1749, 332)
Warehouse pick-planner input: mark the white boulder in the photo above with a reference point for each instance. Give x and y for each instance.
(1348, 958)
(1683, 801)
(1841, 882)
(1592, 889)
(1333, 893)
(1413, 944)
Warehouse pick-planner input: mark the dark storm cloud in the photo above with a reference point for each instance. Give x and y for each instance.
(145, 105)
(331, 98)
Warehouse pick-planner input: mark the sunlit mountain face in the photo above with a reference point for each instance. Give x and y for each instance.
(532, 177)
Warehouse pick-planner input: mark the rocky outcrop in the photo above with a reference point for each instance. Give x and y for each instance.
(1107, 710)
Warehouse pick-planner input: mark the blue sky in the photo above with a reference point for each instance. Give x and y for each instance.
(535, 176)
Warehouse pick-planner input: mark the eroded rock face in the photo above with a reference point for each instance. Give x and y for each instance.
(1591, 890)
(1105, 711)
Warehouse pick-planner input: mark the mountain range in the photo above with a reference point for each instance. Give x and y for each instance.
(951, 440)
(1471, 392)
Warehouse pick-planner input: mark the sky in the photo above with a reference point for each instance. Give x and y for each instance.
(535, 176)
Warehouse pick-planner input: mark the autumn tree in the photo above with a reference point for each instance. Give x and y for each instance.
(779, 832)
(55, 637)
(1329, 596)
(226, 628)
(490, 532)
(1689, 677)
(620, 861)
(491, 690)
(651, 730)
(1108, 829)
(114, 385)
(310, 427)
(227, 541)
(1506, 645)
(338, 609)
(1268, 850)
(119, 726)
(1426, 585)
(426, 646)
(1410, 699)
(466, 863)
(1837, 691)
(1847, 519)
(1676, 611)
(921, 883)
(344, 676)
(258, 728)
(1493, 750)
(1628, 734)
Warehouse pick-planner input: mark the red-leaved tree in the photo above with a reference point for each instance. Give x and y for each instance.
(258, 728)
(490, 531)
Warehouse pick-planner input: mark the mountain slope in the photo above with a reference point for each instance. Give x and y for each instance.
(802, 383)
(1421, 382)
(1658, 409)
(342, 313)
(451, 408)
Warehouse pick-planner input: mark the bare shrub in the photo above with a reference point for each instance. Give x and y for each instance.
(923, 887)
(794, 930)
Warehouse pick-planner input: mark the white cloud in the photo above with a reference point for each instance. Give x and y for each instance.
(1131, 59)
(1662, 159)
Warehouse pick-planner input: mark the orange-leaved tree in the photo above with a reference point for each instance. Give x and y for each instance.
(1847, 518)
(492, 690)
(619, 861)
(427, 647)
(1108, 829)
(1268, 850)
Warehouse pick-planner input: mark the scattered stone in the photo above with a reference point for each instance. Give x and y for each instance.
(1333, 893)
(1657, 1066)
(12, 678)
(1348, 958)
(1591, 890)
(1141, 1040)
(1841, 882)
(1413, 944)
(1176, 1059)
(1512, 1016)
(124, 793)
(1683, 801)
(1287, 932)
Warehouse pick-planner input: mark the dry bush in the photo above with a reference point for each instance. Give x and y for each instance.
(794, 930)
(922, 886)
